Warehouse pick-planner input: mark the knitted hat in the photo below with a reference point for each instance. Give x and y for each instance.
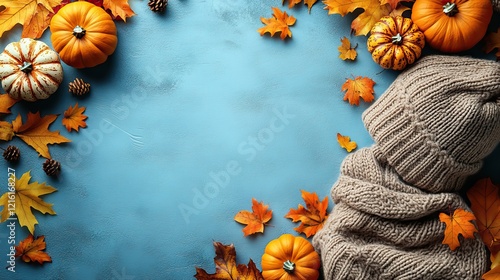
(432, 128)
(438, 120)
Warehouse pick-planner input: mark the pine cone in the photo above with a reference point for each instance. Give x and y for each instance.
(79, 87)
(11, 154)
(157, 5)
(51, 167)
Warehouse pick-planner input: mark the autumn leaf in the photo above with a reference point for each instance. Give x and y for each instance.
(34, 15)
(492, 41)
(394, 3)
(32, 250)
(359, 87)
(346, 51)
(458, 223)
(363, 23)
(292, 3)
(35, 132)
(6, 102)
(485, 204)
(279, 23)
(118, 8)
(312, 216)
(254, 220)
(226, 267)
(494, 272)
(24, 197)
(74, 118)
(346, 143)
(6, 131)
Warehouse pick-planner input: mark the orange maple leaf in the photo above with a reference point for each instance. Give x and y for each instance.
(74, 118)
(485, 204)
(312, 216)
(494, 272)
(359, 87)
(394, 3)
(346, 52)
(492, 41)
(346, 143)
(277, 24)
(363, 23)
(456, 224)
(254, 220)
(292, 3)
(34, 15)
(6, 102)
(35, 132)
(118, 8)
(32, 250)
(226, 267)
(6, 131)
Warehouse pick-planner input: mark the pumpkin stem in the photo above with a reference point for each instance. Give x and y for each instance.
(397, 39)
(450, 9)
(79, 32)
(26, 67)
(289, 266)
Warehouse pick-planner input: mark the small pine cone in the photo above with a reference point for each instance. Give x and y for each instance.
(11, 154)
(51, 167)
(79, 87)
(157, 5)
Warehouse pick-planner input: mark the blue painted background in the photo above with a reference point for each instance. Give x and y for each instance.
(193, 116)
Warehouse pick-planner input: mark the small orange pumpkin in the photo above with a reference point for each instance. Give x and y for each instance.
(83, 34)
(290, 257)
(456, 26)
(395, 42)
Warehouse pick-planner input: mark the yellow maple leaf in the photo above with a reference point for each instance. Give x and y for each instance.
(346, 143)
(279, 23)
(359, 87)
(35, 132)
(32, 250)
(459, 223)
(74, 118)
(118, 8)
(34, 15)
(492, 41)
(254, 220)
(292, 3)
(346, 51)
(6, 102)
(25, 196)
(362, 24)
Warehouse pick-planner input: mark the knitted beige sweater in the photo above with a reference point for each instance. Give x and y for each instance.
(432, 128)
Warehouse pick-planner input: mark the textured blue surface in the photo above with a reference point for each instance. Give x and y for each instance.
(193, 116)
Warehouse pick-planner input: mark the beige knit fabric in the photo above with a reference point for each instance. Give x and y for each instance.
(432, 128)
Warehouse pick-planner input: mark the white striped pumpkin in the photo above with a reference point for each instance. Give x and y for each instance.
(30, 70)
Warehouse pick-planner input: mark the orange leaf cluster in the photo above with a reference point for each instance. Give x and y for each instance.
(292, 3)
(226, 267)
(458, 223)
(346, 143)
(492, 41)
(74, 118)
(279, 23)
(346, 51)
(32, 250)
(360, 87)
(256, 219)
(312, 216)
(6, 102)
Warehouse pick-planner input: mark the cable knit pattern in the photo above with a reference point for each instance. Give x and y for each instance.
(432, 128)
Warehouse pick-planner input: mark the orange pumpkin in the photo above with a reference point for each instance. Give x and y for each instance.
(395, 42)
(290, 258)
(83, 34)
(456, 26)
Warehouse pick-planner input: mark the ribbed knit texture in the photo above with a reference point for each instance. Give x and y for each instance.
(496, 5)
(432, 128)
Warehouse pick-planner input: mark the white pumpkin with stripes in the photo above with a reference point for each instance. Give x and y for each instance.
(30, 70)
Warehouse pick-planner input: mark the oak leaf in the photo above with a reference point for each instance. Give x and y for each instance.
(346, 51)
(485, 204)
(26, 195)
(492, 41)
(363, 23)
(459, 223)
(279, 23)
(118, 8)
(35, 132)
(6, 102)
(256, 219)
(312, 216)
(226, 267)
(292, 3)
(32, 250)
(359, 87)
(34, 15)
(346, 143)
(74, 118)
